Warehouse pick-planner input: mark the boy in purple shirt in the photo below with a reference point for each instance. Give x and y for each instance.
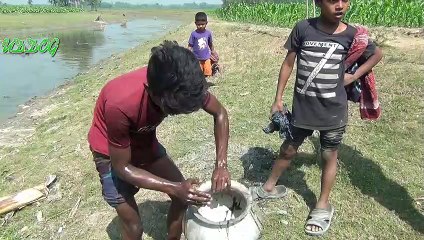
(200, 43)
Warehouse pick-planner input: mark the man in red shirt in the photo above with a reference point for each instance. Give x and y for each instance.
(123, 140)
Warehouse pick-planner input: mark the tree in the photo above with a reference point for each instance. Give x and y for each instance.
(30, 2)
(94, 4)
(54, 2)
(75, 3)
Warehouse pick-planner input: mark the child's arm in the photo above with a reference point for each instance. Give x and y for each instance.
(221, 176)
(210, 43)
(191, 42)
(211, 46)
(285, 71)
(365, 67)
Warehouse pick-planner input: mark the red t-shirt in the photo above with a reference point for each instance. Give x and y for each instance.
(124, 116)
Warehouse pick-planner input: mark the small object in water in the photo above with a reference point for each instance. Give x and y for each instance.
(99, 18)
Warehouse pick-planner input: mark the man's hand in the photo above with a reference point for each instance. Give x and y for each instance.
(220, 179)
(187, 194)
(276, 107)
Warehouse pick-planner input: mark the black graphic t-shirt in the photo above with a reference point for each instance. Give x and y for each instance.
(319, 99)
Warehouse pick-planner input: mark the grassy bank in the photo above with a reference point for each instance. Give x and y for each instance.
(372, 13)
(381, 170)
(23, 25)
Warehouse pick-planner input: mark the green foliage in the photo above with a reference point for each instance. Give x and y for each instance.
(372, 13)
(38, 9)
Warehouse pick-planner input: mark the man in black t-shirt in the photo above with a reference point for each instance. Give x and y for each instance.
(319, 101)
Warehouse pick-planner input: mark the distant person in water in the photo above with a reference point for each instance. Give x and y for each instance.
(200, 42)
(99, 18)
(126, 151)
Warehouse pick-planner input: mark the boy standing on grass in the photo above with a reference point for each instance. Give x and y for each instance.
(200, 42)
(319, 101)
(122, 137)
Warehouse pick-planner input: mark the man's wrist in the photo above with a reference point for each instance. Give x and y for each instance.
(173, 188)
(221, 164)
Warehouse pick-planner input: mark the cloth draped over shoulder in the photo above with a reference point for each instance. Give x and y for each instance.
(365, 87)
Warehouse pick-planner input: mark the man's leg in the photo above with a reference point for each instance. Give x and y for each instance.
(165, 168)
(288, 151)
(132, 228)
(119, 195)
(330, 141)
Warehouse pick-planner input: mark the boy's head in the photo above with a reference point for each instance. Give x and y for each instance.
(175, 81)
(333, 10)
(201, 20)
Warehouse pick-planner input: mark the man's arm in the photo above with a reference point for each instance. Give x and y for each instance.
(117, 125)
(285, 71)
(220, 177)
(136, 176)
(120, 159)
(365, 67)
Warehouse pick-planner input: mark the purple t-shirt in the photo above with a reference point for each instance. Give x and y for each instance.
(200, 42)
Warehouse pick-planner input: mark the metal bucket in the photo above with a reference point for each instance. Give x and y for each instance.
(245, 223)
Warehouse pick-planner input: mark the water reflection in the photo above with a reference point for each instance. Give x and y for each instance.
(77, 47)
(23, 76)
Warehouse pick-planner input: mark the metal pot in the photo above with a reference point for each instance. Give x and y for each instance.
(245, 224)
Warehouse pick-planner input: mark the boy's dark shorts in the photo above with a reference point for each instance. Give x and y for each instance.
(114, 190)
(330, 140)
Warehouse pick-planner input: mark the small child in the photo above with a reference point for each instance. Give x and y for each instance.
(319, 100)
(200, 43)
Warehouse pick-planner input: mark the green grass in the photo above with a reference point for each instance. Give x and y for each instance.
(381, 169)
(372, 13)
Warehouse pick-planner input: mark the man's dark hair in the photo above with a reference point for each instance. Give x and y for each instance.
(175, 77)
(201, 17)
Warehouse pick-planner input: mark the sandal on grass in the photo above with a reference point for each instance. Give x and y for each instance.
(320, 217)
(259, 193)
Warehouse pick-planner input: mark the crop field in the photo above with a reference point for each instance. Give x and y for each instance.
(372, 13)
(38, 9)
